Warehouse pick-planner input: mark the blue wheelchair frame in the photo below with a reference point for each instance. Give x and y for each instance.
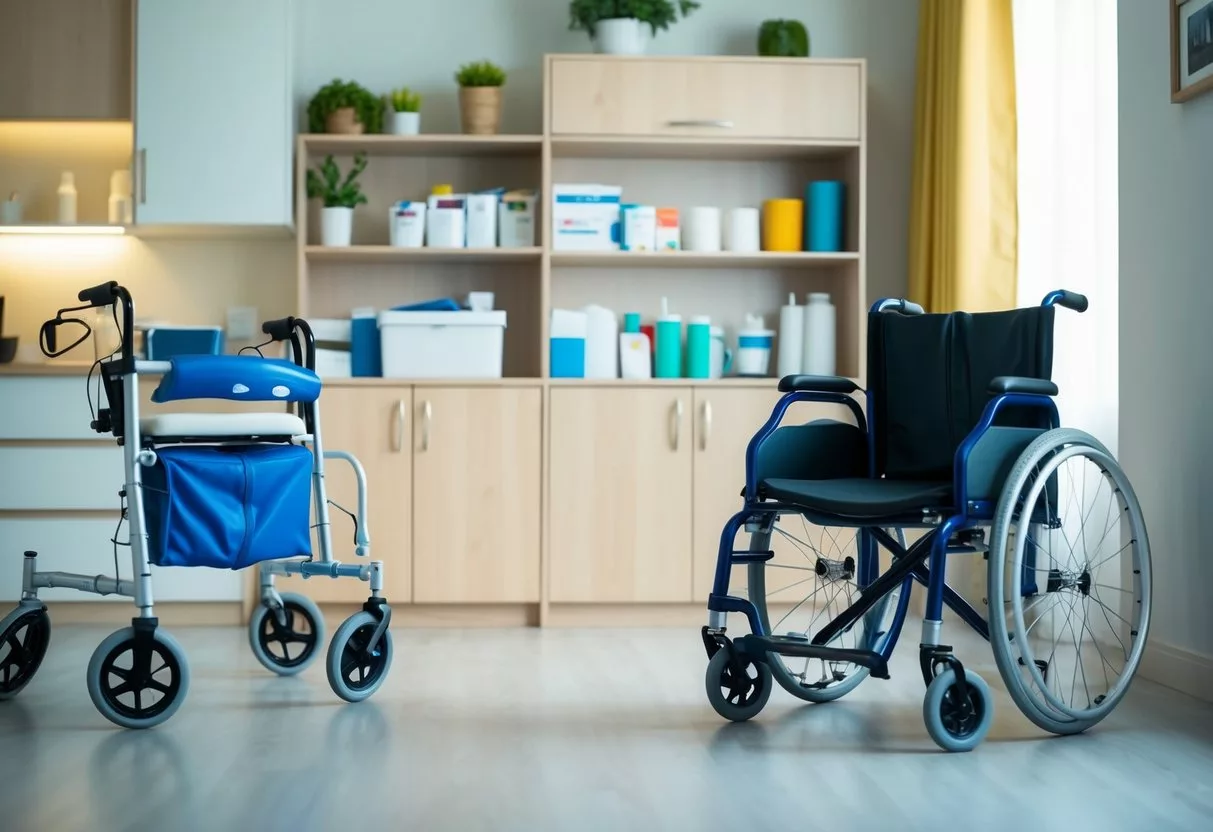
(944, 537)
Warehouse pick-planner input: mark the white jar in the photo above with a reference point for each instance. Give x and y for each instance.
(819, 340)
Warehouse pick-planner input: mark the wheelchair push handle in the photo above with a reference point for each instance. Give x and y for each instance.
(100, 295)
(901, 305)
(280, 329)
(1067, 299)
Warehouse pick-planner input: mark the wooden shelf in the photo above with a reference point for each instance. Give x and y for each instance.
(695, 259)
(732, 381)
(689, 147)
(396, 254)
(425, 144)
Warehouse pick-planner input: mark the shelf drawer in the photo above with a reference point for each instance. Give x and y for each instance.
(72, 478)
(43, 407)
(750, 99)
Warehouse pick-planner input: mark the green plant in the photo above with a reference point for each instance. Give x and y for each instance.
(404, 100)
(658, 14)
(783, 39)
(480, 74)
(325, 182)
(338, 94)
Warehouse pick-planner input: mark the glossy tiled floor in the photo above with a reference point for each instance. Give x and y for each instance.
(572, 730)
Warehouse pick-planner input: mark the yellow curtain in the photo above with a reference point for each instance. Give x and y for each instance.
(964, 214)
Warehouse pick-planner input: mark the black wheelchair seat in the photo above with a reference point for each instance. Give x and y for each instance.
(860, 498)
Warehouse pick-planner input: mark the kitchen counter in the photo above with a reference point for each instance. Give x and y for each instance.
(46, 368)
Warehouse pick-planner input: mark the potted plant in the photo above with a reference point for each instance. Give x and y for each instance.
(480, 86)
(340, 196)
(341, 107)
(783, 39)
(404, 114)
(617, 26)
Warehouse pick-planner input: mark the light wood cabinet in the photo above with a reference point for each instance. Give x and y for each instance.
(213, 113)
(620, 508)
(716, 98)
(375, 425)
(476, 497)
(65, 59)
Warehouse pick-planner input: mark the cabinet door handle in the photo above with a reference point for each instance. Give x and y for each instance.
(399, 446)
(142, 173)
(677, 432)
(720, 123)
(707, 424)
(427, 413)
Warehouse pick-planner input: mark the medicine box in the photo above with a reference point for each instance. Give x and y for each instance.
(516, 219)
(442, 344)
(639, 228)
(585, 217)
(669, 237)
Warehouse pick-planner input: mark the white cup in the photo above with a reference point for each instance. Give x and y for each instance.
(742, 230)
(754, 351)
(701, 232)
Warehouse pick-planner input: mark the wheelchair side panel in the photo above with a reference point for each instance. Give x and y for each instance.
(989, 463)
(820, 450)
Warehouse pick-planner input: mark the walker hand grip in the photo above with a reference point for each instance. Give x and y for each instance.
(1068, 299)
(101, 295)
(280, 329)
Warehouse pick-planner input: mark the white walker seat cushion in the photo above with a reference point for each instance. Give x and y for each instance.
(200, 425)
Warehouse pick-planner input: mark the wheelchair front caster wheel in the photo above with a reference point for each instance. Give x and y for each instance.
(956, 722)
(737, 697)
(25, 634)
(138, 683)
(287, 647)
(356, 670)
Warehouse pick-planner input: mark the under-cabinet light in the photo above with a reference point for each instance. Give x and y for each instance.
(62, 229)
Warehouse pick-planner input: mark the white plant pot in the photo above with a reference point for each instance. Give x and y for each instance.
(404, 124)
(621, 36)
(336, 226)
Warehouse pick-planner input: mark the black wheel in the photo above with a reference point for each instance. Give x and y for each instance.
(737, 696)
(289, 646)
(25, 634)
(355, 671)
(956, 722)
(138, 686)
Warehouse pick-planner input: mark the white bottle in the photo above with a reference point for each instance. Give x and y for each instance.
(67, 198)
(789, 361)
(819, 336)
(120, 202)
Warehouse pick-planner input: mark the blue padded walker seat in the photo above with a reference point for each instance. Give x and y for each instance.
(929, 381)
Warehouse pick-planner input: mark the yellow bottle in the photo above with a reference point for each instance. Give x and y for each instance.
(783, 225)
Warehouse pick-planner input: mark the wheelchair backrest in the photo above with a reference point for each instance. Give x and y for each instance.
(928, 376)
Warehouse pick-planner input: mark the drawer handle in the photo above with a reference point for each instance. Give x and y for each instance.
(427, 413)
(720, 123)
(707, 424)
(399, 426)
(677, 424)
(142, 175)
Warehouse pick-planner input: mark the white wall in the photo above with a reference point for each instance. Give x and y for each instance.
(1166, 352)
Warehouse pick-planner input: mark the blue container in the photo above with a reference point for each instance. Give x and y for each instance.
(366, 359)
(568, 357)
(163, 343)
(825, 202)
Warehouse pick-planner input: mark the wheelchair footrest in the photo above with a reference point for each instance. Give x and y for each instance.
(761, 645)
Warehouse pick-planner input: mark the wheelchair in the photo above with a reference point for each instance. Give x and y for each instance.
(222, 490)
(961, 440)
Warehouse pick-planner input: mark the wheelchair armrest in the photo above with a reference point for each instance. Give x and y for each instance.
(1020, 384)
(817, 384)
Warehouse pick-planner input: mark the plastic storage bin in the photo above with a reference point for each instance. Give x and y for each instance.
(442, 344)
(163, 343)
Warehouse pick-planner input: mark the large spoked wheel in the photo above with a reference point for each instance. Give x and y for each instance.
(737, 694)
(25, 634)
(288, 646)
(137, 684)
(808, 583)
(1070, 571)
(355, 670)
(958, 721)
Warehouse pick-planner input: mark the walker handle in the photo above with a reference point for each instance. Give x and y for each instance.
(280, 329)
(1067, 299)
(100, 295)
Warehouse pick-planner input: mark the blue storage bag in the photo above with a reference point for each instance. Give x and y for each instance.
(245, 378)
(228, 507)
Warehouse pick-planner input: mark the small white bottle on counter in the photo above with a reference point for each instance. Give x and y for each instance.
(791, 338)
(819, 336)
(67, 198)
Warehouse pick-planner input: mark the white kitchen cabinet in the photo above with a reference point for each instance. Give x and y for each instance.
(213, 113)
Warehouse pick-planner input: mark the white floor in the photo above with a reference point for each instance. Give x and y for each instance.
(572, 730)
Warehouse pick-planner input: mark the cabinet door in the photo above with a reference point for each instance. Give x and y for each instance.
(620, 495)
(373, 424)
(213, 118)
(476, 469)
(753, 99)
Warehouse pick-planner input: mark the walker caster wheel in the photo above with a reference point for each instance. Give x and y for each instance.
(356, 672)
(954, 722)
(289, 646)
(138, 680)
(737, 697)
(25, 634)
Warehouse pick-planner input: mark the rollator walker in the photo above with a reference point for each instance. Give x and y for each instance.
(961, 440)
(222, 490)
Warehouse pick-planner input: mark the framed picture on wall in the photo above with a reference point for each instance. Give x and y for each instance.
(1191, 48)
